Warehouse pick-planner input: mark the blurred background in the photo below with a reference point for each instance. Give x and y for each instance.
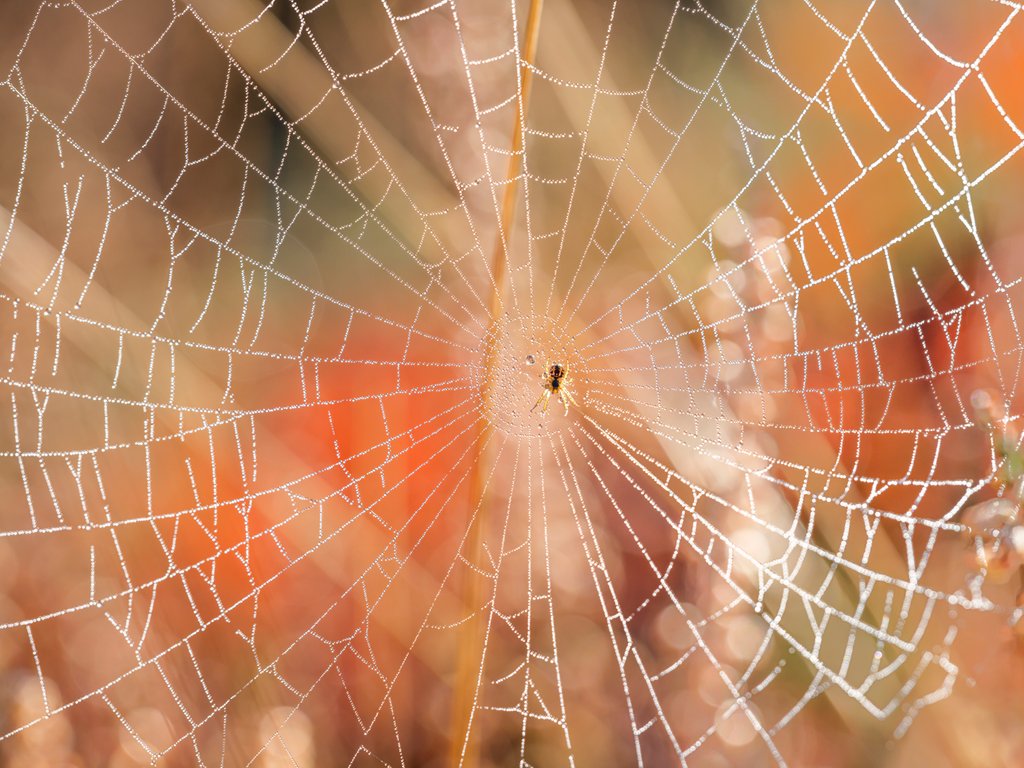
(279, 286)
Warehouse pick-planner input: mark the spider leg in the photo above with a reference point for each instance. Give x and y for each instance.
(568, 398)
(561, 398)
(544, 396)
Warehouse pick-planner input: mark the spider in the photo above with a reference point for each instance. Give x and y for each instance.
(556, 381)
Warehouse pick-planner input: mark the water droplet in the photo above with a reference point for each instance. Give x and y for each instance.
(981, 400)
(530, 359)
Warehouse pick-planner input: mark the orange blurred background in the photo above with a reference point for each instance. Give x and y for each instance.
(273, 489)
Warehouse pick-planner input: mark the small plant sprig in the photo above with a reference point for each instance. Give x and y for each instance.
(995, 526)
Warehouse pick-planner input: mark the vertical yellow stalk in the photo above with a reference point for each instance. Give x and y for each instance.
(515, 161)
(464, 751)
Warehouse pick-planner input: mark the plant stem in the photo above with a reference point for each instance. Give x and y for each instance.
(464, 750)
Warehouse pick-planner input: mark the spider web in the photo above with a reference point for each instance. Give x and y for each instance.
(274, 492)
